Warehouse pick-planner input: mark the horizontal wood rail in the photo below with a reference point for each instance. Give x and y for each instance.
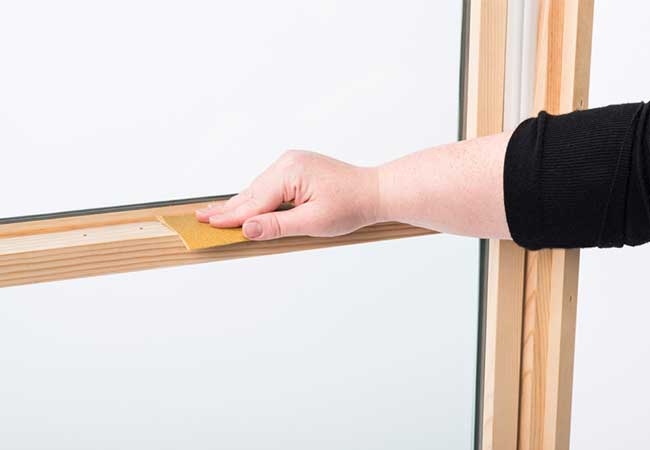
(100, 217)
(125, 241)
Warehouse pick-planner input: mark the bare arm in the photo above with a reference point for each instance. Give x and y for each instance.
(455, 188)
(580, 179)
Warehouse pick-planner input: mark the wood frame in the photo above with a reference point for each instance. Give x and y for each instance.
(502, 330)
(531, 296)
(92, 244)
(561, 85)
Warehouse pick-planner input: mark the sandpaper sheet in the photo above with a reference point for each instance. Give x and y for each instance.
(196, 235)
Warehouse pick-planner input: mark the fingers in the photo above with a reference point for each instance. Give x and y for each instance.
(298, 221)
(203, 215)
(281, 182)
(259, 200)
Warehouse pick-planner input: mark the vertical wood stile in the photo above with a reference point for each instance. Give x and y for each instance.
(528, 370)
(486, 73)
(551, 284)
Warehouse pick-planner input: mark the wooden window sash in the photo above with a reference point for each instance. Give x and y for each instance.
(531, 296)
(102, 243)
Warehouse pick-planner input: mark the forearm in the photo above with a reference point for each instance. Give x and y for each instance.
(454, 188)
(575, 180)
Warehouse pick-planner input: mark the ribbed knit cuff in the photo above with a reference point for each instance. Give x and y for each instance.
(521, 186)
(568, 179)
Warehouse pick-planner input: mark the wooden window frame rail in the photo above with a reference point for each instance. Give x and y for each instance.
(124, 239)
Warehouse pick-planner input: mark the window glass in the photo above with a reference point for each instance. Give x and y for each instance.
(106, 103)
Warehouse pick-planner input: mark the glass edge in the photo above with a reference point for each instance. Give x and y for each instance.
(483, 243)
(480, 344)
(113, 209)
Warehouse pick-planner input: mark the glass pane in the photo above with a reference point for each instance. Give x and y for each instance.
(107, 103)
(371, 346)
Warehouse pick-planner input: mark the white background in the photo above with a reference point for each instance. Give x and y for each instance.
(364, 347)
(611, 405)
(107, 103)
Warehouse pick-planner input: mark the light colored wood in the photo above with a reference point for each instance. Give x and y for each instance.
(94, 220)
(551, 284)
(549, 339)
(560, 348)
(578, 27)
(484, 115)
(126, 247)
(534, 350)
(502, 346)
(486, 67)
(548, 287)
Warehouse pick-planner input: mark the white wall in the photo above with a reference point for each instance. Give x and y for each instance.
(103, 103)
(611, 404)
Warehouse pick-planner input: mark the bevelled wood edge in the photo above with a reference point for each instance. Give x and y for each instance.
(95, 220)
(125, 247)
(551, 283)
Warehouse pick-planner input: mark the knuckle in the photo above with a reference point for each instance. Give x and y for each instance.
(248, 207)
(246, 195)
(239, 198)
(294, 159)
(292, 154)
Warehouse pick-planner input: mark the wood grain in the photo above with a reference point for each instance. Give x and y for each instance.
(82, 252)
(486, 67)
(95, 220)
(503, 345)
(485, 112)
(551, 285)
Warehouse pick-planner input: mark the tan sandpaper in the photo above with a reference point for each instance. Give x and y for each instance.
(196, 235)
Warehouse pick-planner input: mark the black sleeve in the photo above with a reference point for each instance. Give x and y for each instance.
(580, 179)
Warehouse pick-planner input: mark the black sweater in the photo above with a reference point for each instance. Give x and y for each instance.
(580, 179)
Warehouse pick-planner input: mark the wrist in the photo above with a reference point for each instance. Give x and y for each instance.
(368, 195)
(384, 198)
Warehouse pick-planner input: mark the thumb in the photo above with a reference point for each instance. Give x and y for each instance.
(298, 221)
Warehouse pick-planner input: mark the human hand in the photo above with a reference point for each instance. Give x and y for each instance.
(331, 198)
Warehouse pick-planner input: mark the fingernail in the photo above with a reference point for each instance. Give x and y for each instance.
(252, 230)
(203, 210)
